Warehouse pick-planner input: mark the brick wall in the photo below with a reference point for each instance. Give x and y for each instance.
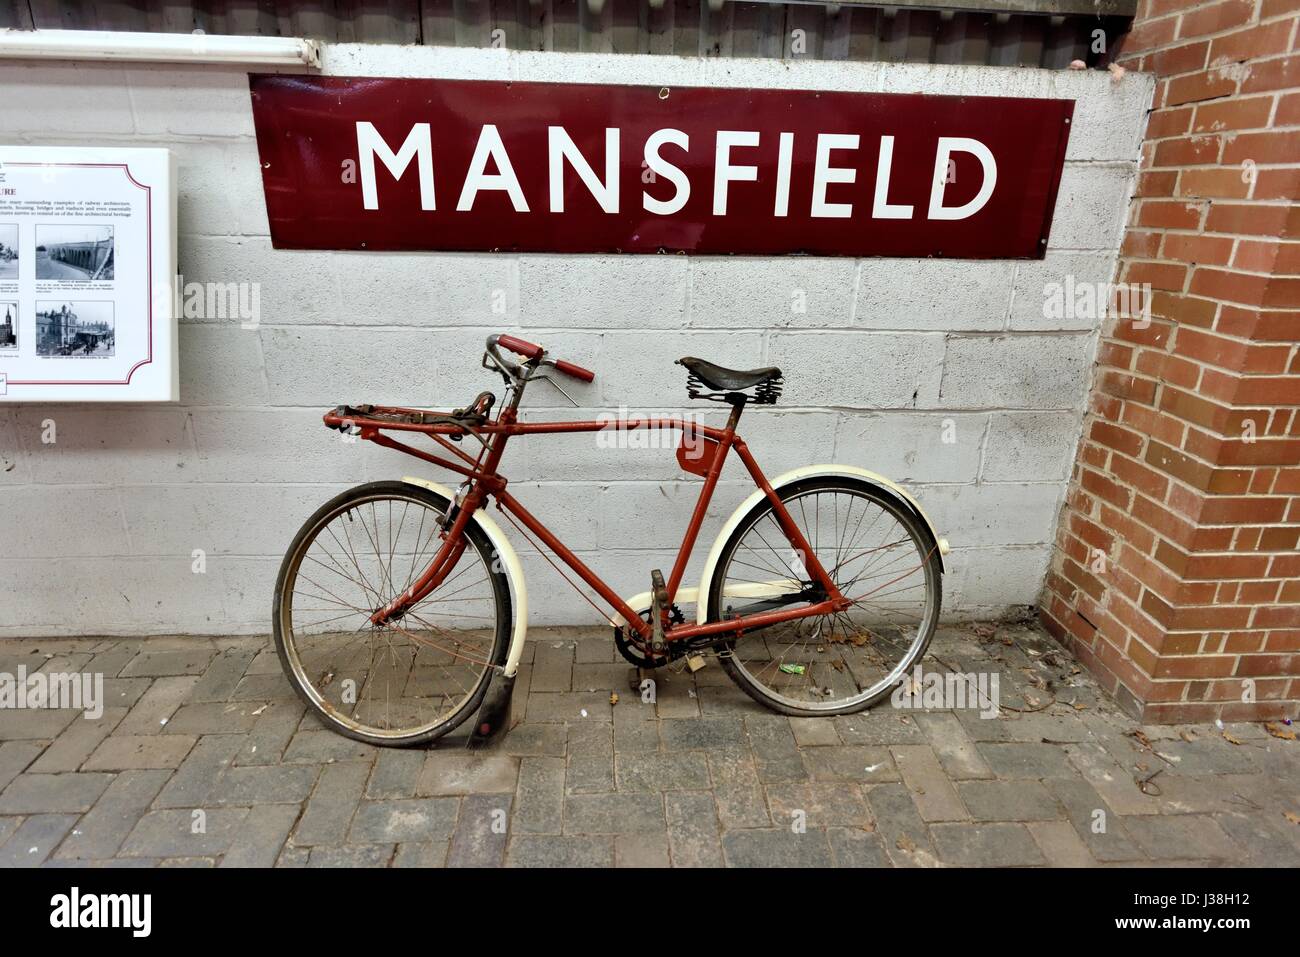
(1176, 577)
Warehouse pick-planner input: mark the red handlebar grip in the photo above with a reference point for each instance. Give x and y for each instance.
(520, 347)
(578, 372)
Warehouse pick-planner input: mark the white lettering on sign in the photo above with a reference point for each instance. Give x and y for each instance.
(563, 151)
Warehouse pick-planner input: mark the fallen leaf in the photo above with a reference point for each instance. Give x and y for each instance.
(905, 843)
(613, 697)
(1230, 739)
(1187, 735)
(1279, 731)
(1291, 816)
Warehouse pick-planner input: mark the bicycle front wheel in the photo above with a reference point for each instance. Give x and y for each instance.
(879, 555)
(405, 682)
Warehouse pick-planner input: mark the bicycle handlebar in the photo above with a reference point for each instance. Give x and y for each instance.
(532, 351)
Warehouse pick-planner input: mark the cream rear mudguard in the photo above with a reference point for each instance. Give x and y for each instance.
(514, 572)
(797, 475)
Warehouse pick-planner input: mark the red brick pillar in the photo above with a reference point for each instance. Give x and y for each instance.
(1176, 575)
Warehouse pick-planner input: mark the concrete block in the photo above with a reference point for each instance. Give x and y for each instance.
(913, 447)
(1030, 446)
(835, 369)
(1044, 372)
(602, 292)
(751, 293)
(933, 295)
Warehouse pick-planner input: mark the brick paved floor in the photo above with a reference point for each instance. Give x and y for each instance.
(207, 731)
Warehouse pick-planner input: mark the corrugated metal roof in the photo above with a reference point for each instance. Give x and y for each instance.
(1051, 34)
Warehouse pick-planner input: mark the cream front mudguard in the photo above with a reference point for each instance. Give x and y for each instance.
(510, 565)
(765, 589)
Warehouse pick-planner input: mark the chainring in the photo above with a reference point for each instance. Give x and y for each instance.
(633, 649)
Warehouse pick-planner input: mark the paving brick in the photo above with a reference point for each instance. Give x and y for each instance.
(101, 831)
(861, 764)
(1008, 801)
(42, 724)
(480, 836)
(261, 836)
(395, 773)
(777, 848)
(935, 797)
(77, 742)
(271, 734)
(321, 746)
(35, 839)
(214, 717)
(1100, 828)
(135, 752)
(902, 832)
(184, 833)
(533, 850)
(352, 855)
(1061, 844)
(818, 804)
(53, 793)
(428, 854)
(467, 772)
(776, 755)
(613, 813)
(641, 850)
(332, 805)
(569, 706)
(986, 845)
(954, 748)
(156, 706)
(268, 785)
(539, 798)
(199, 772)
(880, 725)
(693, 836)
(810, 732)
(1182, 837)
(415, 819)
(553, 667)
(16, 756)
(1025, 760)
(662, 771)
(737, 792)
(219, 681)
(704, 734)
(157, 664)
(635, 728)
(590, 773)
(857, 847)
(535, 740)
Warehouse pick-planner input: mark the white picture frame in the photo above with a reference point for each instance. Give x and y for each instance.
(88, 262)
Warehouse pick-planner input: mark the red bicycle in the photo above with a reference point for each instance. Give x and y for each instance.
(401, 607)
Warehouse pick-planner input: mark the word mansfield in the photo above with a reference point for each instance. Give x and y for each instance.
(833, 150)
(77, 691)
(75, 909)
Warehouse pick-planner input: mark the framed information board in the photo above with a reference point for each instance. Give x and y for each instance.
(87, 271)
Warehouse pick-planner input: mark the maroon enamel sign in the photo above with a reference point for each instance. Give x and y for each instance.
(423, 164)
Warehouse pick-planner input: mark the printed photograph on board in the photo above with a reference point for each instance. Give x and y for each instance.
(74, 329)
(8, 326)
(74, 252)
(8, 251)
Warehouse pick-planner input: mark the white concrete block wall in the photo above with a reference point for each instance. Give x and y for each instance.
(97, 530)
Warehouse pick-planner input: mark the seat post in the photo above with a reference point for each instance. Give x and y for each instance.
(737, 402)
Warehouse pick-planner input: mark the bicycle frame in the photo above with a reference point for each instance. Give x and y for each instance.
(482, 481)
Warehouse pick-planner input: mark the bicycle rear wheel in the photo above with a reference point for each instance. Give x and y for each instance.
(405, 682)
(879, 555)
